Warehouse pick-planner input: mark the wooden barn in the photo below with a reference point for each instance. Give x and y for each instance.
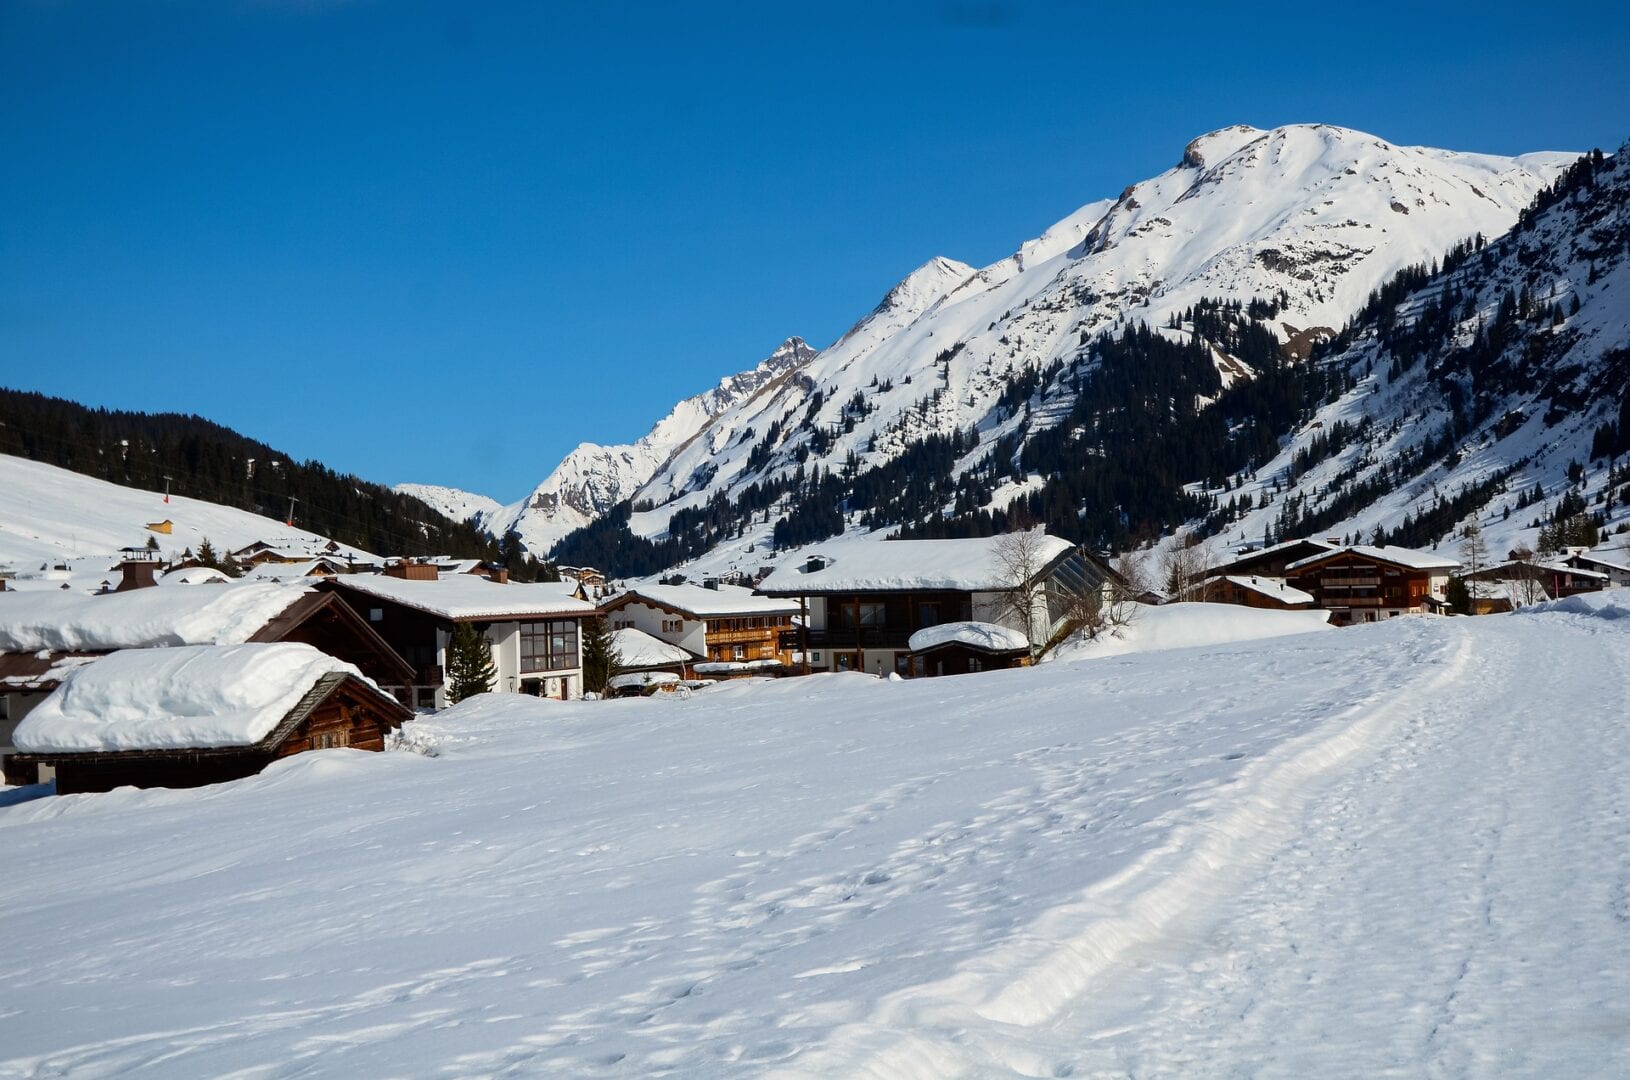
(43, 635)
(196, 715)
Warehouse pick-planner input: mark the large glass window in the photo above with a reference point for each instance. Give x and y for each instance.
(549, 645)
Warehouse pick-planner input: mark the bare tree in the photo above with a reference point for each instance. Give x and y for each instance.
(1528, 587)
(1129, 581)
(1474, 557)
(1184, 567)
(1019, 563)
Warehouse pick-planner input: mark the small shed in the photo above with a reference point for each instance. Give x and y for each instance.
(203, 714)
(959, 648)
(638, 651)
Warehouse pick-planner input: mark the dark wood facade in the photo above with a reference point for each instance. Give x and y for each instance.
(1259, 594)
(1358, 588)
(339, 711)
(326, 622)
(958, 658)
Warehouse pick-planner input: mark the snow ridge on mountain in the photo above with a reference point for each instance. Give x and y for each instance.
(452, 502)
(1518, 358)
(1312, 215)
(592, 479)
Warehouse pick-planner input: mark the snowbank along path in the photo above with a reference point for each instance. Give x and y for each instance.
(1397, 849)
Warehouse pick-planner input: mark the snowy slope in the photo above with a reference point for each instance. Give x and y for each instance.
(452, 502)
(1318, 213)
(1205, 860)
(592, 479)
(48, 515)
(1540, 399)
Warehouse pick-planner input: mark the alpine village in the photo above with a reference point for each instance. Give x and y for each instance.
(1302, 415)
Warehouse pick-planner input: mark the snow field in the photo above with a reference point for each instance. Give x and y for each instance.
(1363, 852)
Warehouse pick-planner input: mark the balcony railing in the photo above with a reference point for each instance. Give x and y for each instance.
(866, 637)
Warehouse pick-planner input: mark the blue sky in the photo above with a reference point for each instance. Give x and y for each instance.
(446, 242)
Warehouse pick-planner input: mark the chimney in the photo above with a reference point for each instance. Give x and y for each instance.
(137, 570)
(412, 571)
(498, 575)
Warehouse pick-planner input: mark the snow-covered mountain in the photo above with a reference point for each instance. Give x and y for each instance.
(592, 479)
(1310, 217)
(453, 502)
(1497, 390)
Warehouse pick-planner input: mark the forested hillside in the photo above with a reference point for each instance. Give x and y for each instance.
(207, 461)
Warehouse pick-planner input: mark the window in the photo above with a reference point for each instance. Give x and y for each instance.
(376, 614)
(738, 652)
(868, 614)
(673, 626)
(623, 624)
(549, 646)
(328, 740)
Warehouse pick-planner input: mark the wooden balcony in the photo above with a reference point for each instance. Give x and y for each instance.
(866, 637)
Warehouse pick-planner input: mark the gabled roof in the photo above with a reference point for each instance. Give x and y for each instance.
(1621, 564)
(702, 602)
(1407, 558)
(140, 618)
(1272, 587)
(980, 636)
(467, 598)
(637, 649)
(1514, 570)
(187, 698)
(1291, 550)
(870, 565)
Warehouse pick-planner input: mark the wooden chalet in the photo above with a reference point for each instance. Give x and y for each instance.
(1267, 593)
(46, 635)
(334, 709)
(1362, 584)
(720, 623)
(1612, 564)
(1271, 561)
(862, 600)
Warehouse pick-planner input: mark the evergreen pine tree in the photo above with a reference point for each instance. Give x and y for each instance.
(469, 664)
(601, 661)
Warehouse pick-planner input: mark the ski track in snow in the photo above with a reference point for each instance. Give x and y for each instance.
(1397, 850)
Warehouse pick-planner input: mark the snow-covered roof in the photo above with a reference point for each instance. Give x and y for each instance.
(194, 575)
(1269, 586)
(990, 637)
(708, 603)
(871, 565)
(462, 597)
(1398, 556)
(641, 678)
(637, 649)
(140, 618)
(1619, 562)
(191, 697)
(273, 571)
(725, 667)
